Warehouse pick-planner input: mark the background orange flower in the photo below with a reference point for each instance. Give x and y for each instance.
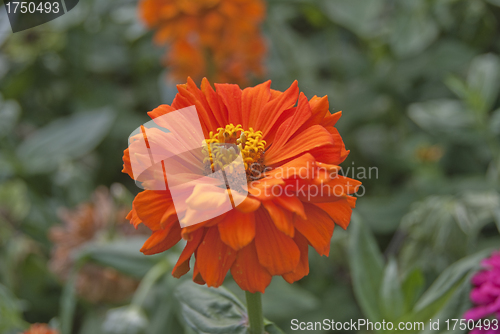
(84, 224)
(220, 39)
(40, 329)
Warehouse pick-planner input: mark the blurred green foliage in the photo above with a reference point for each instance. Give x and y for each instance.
(418, 82)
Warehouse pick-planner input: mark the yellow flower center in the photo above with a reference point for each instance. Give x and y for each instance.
(227, 143)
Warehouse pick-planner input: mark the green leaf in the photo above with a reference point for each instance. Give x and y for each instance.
(10, 312)
(9, 114)
(271, 328)
(282, 300)
(14, 196)
(413, 29)
(392, 303)
(69, 300)
(165, 316)
(63, 139)
(445, 286)
(4, 28)
(209, 310)
(92, 323)
(154, 295)
(148, 282)
(495, 122)
(497, 218)
(435, 234)
(125, 320)
(383, 213)
(440, 116)
(461, 215)
(7, 166)
(360, 16)
(494, 2)
(215, 311)
(367, 267)
(457, 86)
(413, 285)
(122, 255)
(483, 80)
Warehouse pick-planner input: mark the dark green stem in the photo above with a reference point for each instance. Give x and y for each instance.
(255, 316)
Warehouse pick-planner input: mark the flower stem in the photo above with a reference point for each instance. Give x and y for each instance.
(147, 283)
(255, 316)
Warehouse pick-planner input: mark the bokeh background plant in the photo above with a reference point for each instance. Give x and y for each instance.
(418, 82)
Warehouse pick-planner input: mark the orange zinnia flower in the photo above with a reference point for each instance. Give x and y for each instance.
(218, 38)
(295, 195)
(40, 329)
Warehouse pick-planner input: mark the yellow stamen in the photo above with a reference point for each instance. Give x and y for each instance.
(248, 142)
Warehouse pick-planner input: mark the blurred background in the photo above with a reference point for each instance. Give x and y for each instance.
(418, 84)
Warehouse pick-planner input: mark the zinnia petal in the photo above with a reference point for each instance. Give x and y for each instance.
(182, 265)
(277, 252)
(267, 116)
(318, 228)
(214, 258)
(290, 126)
(162, 240)
(254, 98)
(237, 230)
(231, 96)
(282, 218)
(151, 207)
(340, 211)
(248, 273)
(303, 267)
(315, 136)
